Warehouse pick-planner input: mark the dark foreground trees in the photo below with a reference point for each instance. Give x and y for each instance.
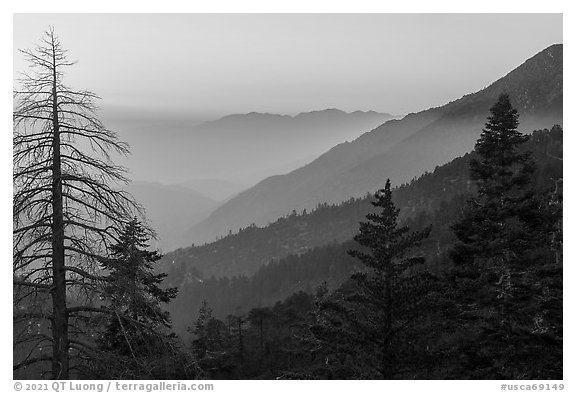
(67, 209)
(213, 343)
(136, 341)
(449, 325)
(507, 280)
(362, 328)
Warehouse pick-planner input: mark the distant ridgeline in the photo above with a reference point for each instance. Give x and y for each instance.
(398, 150)
(259, 266)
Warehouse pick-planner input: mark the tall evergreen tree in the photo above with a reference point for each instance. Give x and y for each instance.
(490, 228)
(257, 317)
(387, 243)
(137, 325)
(206, 334)
(365, 319)
(503, 240)
(212, 344)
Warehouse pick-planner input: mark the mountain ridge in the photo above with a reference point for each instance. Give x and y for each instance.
(397, 149)
(299, 232)
(254, 114)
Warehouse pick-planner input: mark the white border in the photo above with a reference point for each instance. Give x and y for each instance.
(335, 6)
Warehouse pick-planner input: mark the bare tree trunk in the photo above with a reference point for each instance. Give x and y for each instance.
(66, 205)
(60, 358)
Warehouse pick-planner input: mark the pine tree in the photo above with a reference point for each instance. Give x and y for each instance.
(503, 241)
(212, 344)
(134, 295)
(490, 228)
(366, 317)
(388, 244)
(201, 330)
(257, 318)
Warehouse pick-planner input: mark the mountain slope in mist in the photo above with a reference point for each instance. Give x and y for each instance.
(216, 189)
(242, 148)
(170, 210)
(398, 149)
(445, 189)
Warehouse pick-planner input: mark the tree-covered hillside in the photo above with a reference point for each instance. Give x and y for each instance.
(436, 198)
(243, 253)
(490, 310)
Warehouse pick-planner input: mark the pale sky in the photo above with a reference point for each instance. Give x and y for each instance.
(209, 65)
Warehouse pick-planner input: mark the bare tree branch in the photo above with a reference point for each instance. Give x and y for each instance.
(67, 202)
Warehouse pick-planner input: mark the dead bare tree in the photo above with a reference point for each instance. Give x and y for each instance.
(67, 208)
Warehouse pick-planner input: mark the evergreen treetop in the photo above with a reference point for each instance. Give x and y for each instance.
(133, 287)
(381, 234)
(134, 294)
(501, 167)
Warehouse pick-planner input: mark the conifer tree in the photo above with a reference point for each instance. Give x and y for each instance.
(211, 343)
(388, 244)
(257, 317)
(137, 325)
(201, 330)
(366, 318)
(503, 237)
(490, 228)
(493, 232)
